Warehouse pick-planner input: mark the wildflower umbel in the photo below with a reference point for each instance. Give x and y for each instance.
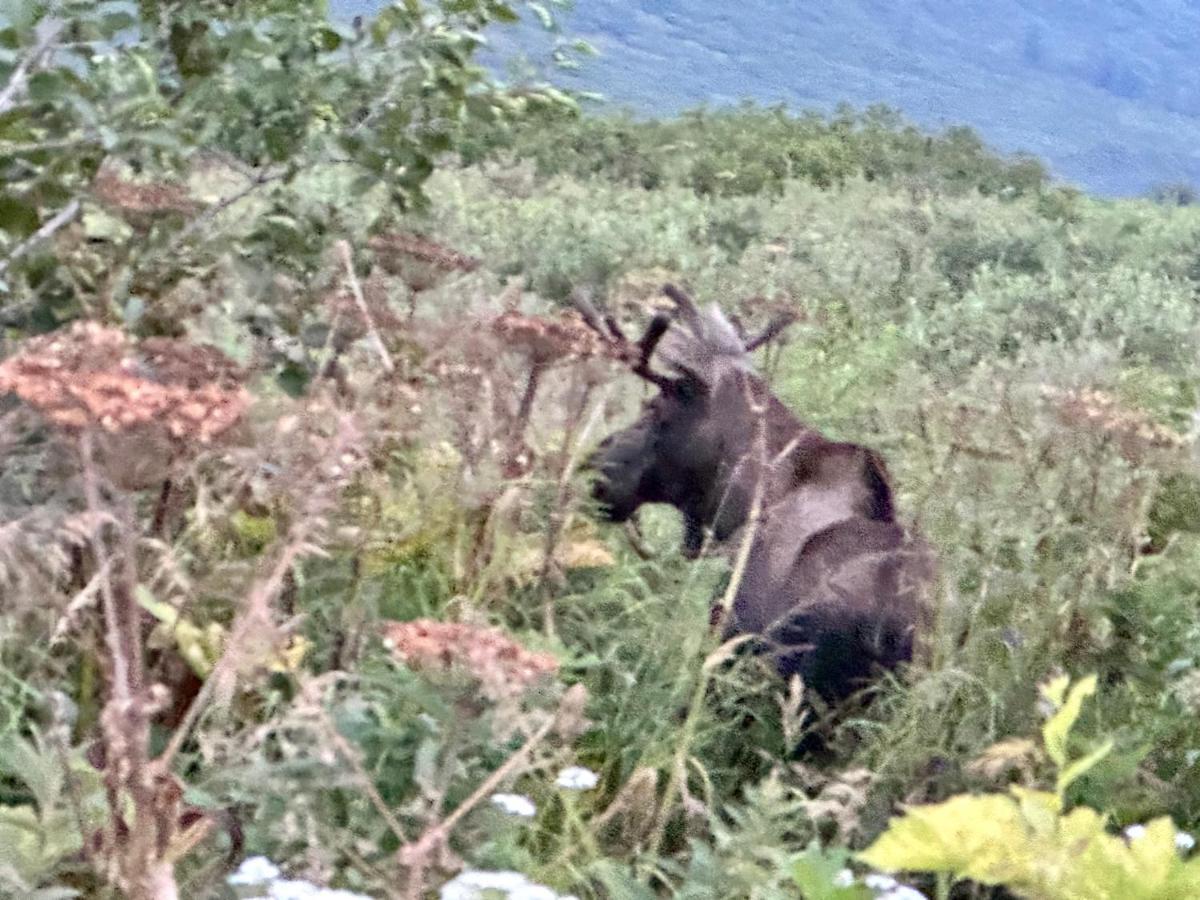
(515, 805)
(577, 778)
(1132, 430)
(502, 667)
(473, 883)
(546, 340)
(89, 375)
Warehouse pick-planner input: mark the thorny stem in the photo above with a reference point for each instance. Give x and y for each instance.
(678, 770)
(121, 687)
(139, 868)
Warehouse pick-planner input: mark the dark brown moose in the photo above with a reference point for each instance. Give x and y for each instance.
(833, 586)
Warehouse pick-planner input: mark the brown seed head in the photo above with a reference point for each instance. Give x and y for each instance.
(1133, 431)
(142, 199)
(502, 667)
(546, 340)
(88, 375)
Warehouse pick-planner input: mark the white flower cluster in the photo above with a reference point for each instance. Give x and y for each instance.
(515, 805)
(885, 887)
(473, 884)
(263, 876)
(577, 778)
(1184, 842)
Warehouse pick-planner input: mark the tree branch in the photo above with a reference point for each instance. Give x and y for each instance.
(57, 221)
(50, 30)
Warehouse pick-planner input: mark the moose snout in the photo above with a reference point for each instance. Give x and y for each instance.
(605, 488)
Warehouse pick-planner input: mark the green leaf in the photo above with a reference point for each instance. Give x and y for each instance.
(18, 216)
(1056, 731)
(1080, 767)
(978, 837)
(816, 871)
(327, 39)
(99, 225)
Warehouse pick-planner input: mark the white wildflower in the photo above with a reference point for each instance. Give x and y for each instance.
(471, 884)
(577, 778)
(289, 889)
(886, 887)
(1184, 841)
(877, 882)
(254, 870)
(843, 879)
(531, 891)
(515, 805)
(901, 892)
(1134, 832)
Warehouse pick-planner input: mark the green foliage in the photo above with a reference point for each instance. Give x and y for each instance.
(40, 813)
(749, 151)
(940, 290)
(1025, 841)
(271, 89)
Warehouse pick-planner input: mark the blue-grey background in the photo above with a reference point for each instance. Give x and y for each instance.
(1108, 92)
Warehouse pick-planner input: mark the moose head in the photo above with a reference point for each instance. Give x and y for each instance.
(690, 446)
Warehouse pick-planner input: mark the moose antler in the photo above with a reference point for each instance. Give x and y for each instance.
(772, 331)
(687, 306)
(637, 355)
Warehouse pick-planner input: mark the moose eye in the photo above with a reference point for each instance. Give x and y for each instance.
(687, 389)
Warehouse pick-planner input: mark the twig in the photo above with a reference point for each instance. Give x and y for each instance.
(356, 289)
(50, 30)
(348, 753)
(53, 224)
(211, 212)
(436, 835)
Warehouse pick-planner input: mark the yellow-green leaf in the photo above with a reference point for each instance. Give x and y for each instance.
(1056, 730)
(1080, 767)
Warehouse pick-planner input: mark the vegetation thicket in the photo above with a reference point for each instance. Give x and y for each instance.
(297, 558)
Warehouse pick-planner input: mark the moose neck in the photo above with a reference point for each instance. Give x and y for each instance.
(808, 481)
(757, 434)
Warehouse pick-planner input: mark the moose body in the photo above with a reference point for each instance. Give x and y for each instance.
(833, 584)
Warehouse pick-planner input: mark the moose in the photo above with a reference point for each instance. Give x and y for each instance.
(832, 586)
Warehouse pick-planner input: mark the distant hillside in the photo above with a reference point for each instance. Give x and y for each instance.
(1106, 92)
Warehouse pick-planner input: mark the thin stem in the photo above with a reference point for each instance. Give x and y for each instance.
(560, 517)
(112, 631)
(53, 224)
(260, 598)
(417, 854)
(691, 723)
(356, 289)
(349, 754)
(51, 29)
